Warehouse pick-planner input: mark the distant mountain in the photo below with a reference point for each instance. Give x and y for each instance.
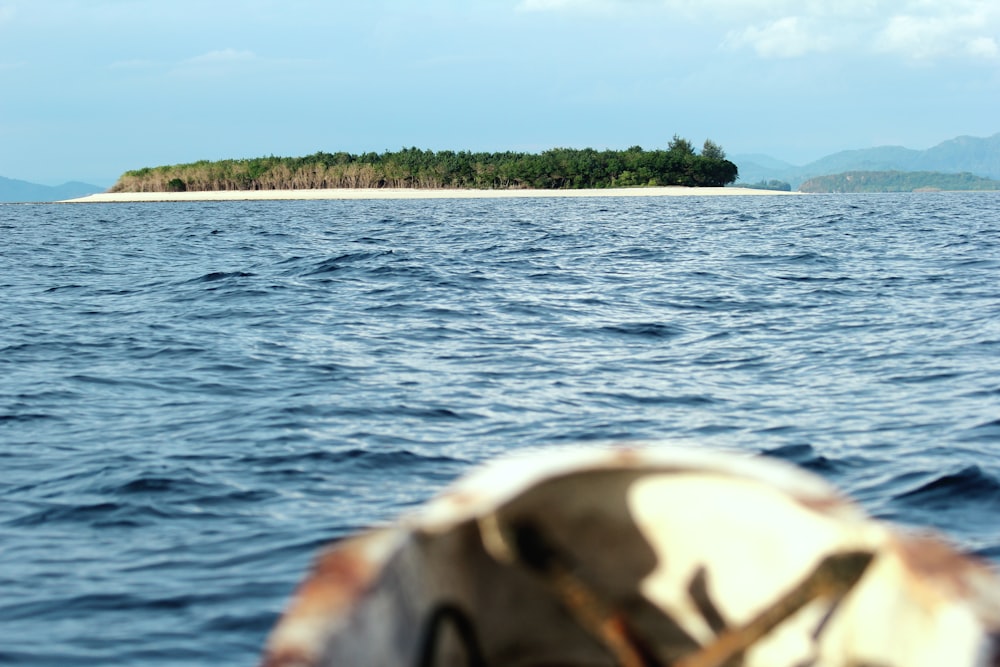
(883, 158)
(12, 190)
(977, 156)
(974, 155)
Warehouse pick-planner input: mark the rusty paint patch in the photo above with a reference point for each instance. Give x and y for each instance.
(461, 498)
(338, 579)
(829, 505)
(288, 657)
(628, 457)
(929, 559)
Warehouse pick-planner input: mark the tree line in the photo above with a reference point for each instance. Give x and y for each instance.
(897, 181)
(678, 164)
(772, 184)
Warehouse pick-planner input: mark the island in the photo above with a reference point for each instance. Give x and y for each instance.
(556, 169)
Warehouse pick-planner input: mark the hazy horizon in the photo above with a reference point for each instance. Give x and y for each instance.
(94, 90)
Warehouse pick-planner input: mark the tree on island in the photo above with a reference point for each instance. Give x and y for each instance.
(713, 150)
(557, 168)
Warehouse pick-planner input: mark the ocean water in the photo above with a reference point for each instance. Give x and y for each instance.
(195, 397)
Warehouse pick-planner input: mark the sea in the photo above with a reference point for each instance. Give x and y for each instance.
(195, 398)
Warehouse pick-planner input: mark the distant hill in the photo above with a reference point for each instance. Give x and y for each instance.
(12, 190)
(897, 181)
(974, 155)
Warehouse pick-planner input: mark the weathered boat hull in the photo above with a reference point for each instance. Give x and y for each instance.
(640, 557)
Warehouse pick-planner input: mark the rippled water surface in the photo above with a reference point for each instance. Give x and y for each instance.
(195, 397)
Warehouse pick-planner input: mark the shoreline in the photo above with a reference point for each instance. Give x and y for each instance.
(411, 193)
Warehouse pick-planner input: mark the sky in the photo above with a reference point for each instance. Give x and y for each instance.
(92, 88)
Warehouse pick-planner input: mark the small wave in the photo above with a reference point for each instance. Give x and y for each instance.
(75, 607)
(154, 485)
(976, 262)
(61, 288)
(104, 515)
(221, 275)
(251, 622)
(173, 351)
(111, 381)
(920, 379)
(753, 257)
(70, 608)
(814, 279)
(809, 258)
(970, 485)
(361, 457)
(807, 457)
(234, 496)
(141, 502)
(431, 413)
(25, 417)
(654, 330)
(987, 432)
(636, 253)
(344, 261)
(687, 400)
(405, 269)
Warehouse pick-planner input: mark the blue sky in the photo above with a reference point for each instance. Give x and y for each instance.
(91, 88)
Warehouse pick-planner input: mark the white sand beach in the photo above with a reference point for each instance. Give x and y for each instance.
(413, 193)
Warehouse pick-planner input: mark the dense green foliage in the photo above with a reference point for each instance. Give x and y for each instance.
(772, 184)
(897, 181)
(679, 164)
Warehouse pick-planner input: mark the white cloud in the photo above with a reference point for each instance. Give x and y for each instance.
(910, 29)
(787, 37)
(231, 64)
(967, 32)
(544, 5)
(135, 64)
(582, 6)
(983, 47)
(223, 57)
(224, 62)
